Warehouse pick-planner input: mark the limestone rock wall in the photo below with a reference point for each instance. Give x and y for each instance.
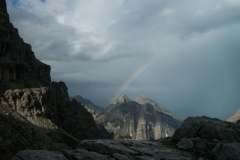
(131, 120)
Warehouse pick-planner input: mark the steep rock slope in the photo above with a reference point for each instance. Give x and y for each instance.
(92, 108)
(34, 112)
(95, 111)
(235, 117)
(72, 116)
(128, 119)
(17, 60)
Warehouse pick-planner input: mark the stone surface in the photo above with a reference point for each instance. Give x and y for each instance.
(185, 143)
(208, 137)
(186, 148)
(227, 151)
(80, 154)
(124, 150)
(128, 119)
(207, 128)
(39, 155)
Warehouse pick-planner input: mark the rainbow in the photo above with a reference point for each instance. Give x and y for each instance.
(131, 78)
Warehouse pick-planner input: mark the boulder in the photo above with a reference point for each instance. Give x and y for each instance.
(207, 128)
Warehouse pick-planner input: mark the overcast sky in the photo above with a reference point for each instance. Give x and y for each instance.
(185, 55)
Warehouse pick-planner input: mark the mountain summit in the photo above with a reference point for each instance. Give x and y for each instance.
(122, 99)
(144, 99)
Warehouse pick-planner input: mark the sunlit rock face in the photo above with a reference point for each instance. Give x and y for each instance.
(128, 119)
(235, 117)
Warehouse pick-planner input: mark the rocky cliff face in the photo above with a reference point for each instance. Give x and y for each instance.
(34, 112)
(128, 119)
(72, 116)
(17, 60)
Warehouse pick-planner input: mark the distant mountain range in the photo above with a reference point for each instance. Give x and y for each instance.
(142, 119)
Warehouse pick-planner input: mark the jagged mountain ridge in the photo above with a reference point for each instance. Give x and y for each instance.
(145, 120)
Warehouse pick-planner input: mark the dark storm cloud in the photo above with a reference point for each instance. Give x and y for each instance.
(96, 46)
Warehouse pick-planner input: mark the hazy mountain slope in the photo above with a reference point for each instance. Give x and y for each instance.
(143, 100)
(130, 120)
(235, 117)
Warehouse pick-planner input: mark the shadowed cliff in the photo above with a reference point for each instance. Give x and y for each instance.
(35, 113)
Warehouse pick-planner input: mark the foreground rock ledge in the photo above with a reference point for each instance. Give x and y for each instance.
(198, 138)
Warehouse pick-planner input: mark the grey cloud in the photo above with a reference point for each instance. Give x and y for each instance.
(54, 40)
(214, 20)
(195, 47)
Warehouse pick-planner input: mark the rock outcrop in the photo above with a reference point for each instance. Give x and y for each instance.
(35, 113)
(235, 117)
(128, 119)
(208, 137)
(198, 138)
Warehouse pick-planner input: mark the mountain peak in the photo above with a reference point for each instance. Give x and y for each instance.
(122, 99)
(144, 99)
